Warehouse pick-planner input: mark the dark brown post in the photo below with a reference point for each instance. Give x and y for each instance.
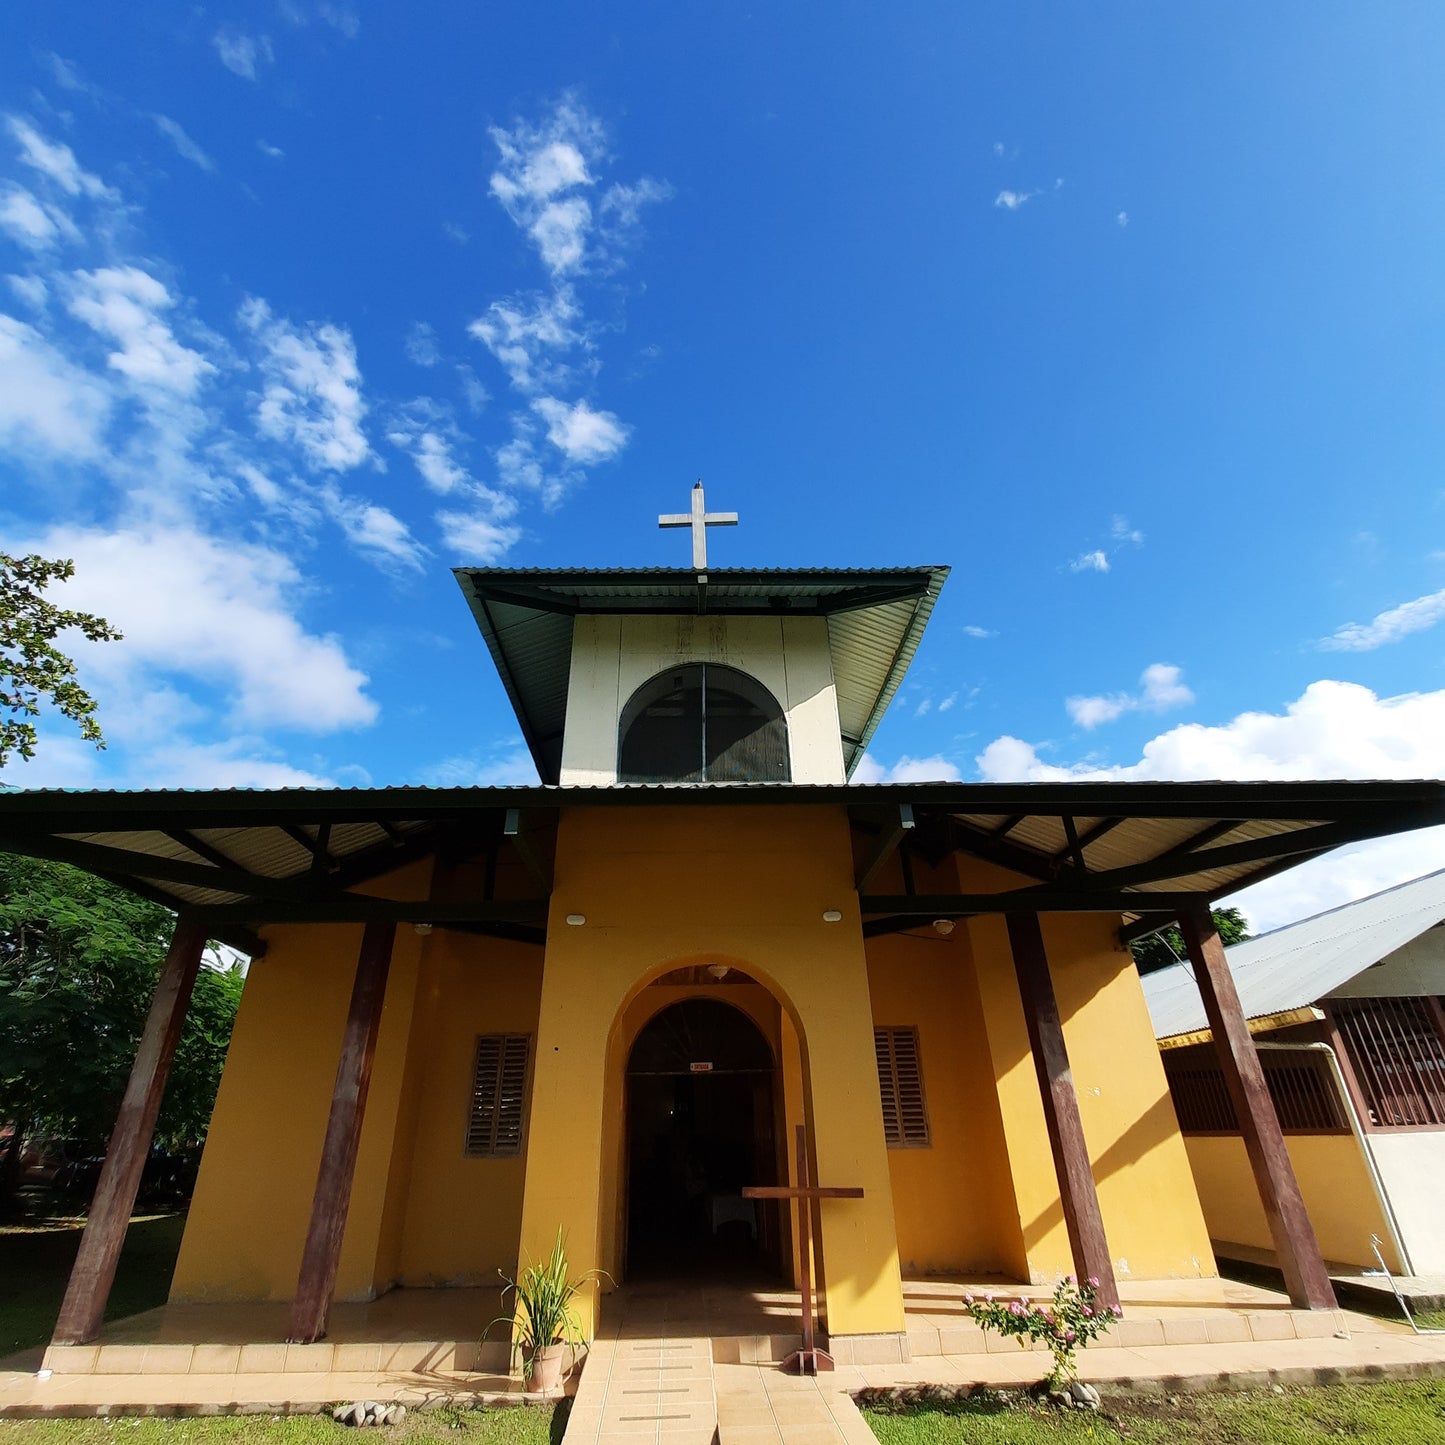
(1295, 1245)
(94, 1270)
(1077, 1194)
(322, 1254)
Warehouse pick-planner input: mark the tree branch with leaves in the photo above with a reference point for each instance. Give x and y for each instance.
(33, 668)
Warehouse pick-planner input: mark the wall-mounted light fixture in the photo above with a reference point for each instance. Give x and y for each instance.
(943, 926)
(421, 929)
(719, 971)
(832, 915)
(576, 919)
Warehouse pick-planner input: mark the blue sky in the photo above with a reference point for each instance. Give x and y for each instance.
(1131, 314)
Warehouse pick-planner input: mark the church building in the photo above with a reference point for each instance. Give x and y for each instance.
(605, 1004)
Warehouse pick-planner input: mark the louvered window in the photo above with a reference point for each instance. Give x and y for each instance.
(499, 1095)
(900, 1080)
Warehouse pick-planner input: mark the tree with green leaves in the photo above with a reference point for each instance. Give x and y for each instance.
(1158, 950)
(33, 669)
(79, 961)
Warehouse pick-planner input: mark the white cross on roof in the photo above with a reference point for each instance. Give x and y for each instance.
(699, 519)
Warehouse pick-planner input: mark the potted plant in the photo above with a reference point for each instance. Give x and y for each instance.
(543, 1327)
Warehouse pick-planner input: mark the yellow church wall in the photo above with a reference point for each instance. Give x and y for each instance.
(248, 1218)
(463, 1214)
(953, 1200)
(746, 886)
(1150, 1207)
(1334, 1180)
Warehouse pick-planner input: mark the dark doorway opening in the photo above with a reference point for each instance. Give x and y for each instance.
(701, 1126)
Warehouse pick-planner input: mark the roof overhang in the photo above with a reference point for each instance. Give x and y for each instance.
(238, 859)
(875, 620)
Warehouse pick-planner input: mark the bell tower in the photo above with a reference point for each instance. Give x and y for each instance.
(698, 677)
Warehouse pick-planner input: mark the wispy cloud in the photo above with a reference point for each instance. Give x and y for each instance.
(1389, 626)
(421, 345)
(186, 148)
(1121, 531)
(971, 630)
(312, 388)
(56, 161)
(1013, 200)
(1096, 561)
(550, 179)
(243, 54)
(1122, 218)
(1161, 689)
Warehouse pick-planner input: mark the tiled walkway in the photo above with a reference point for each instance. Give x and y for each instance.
(674, 1365)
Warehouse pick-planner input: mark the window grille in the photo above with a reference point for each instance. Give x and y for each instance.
(1301, 1085)
(703, 723)
(1398, 1053)
(499, 1094)
(900, 1080)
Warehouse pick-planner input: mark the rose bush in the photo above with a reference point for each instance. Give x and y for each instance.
(1065, 1324)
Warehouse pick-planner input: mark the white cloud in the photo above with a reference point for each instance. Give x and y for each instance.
(421, 345)
(526, 335)
(1012, 200)
(46, 401)
(520, 469)
(57, 161)
(194, 606)
(540, 176)
(936, 769)
(1121, 531)
(373, 530)
(1391, 626)
(1090, 562)
(948, 702)
(27, 219)
(579, 433)
(1161, 689)
(219, 765)
(1333, 730)
(186, 148)
(970, 630)
(124, 303)
(32, 290)
(504, 766)
(242, 54)
(924, 708)
(476, 537)
(1122, 219)
(274, 153)
(312, 394)
(1341, 877)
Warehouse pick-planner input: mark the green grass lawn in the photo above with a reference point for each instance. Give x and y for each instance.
(1406, 1413)
(509, 1425)
(35, 1262)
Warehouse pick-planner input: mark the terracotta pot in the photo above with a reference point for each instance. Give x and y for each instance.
(544, 1371)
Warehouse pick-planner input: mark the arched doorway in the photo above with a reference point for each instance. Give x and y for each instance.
(701, 1099)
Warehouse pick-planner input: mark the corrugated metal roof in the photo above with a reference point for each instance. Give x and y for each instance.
(875, 620)
(1302, 962)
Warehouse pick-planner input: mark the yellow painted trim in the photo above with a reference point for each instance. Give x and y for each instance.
(1264, 1024)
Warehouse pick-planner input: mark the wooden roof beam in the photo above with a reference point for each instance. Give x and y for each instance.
(889, 838)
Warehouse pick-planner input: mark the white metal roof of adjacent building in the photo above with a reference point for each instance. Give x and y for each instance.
(1305, 961)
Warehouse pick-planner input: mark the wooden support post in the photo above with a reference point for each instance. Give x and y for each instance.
(93, 1274)
(1077, 1193)
(322, 1255)
(1295, 1245)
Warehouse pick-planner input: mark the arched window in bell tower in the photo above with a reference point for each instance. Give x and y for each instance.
(702, 723)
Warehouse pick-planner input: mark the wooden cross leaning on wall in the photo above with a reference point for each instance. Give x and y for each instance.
(810, 1359)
